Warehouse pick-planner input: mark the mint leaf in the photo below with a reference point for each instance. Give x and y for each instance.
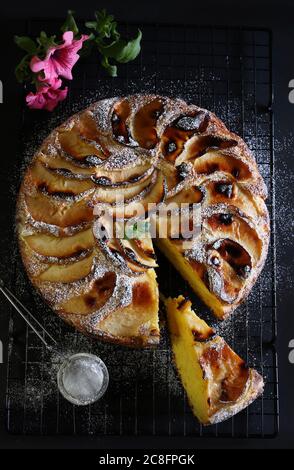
(70, 23)
(23, 71)
(111, 69)
(26, 43)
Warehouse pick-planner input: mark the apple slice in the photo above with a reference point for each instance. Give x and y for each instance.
(59, 163)
(87, 127)
(80, 147)
(111, 194)
(121, 113)
(55, 212)
(143, 128)
(93, 299)
(212, 162)
(201, 144)
(124, 178)
(60, 247)
(67, 272)
(154, 194)
(182, 129)
(239, 230)
(190, 195)
(117, 248)
(114, 250)
(170, 172)
(134, 256)
(145, 247)
(53, 183)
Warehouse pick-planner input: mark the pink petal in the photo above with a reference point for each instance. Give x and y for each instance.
(67, 37)
(46, 66)
(59, 59)
(54, 97)
(35, 101)
(65, 57)
(36, 64)
(46, 97)
(64, 63)
(43, 86)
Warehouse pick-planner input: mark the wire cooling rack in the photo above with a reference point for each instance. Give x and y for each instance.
(229, 72)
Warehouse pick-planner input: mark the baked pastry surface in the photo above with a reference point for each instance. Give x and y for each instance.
(150, 149)
(217, 381)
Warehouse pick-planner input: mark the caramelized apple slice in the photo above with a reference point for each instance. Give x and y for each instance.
(92, 300)
(113, 248)
(80, 147)
(67, 272)
(170, 173)
(87, 126)
(232, 378)
(222, 278)
(132, 253)
(190, 195)
(60, 247)
(182, 129)
(144, 124)
(52, 211)
(57, 184)
(65, 167)
(228, 191)
(145, 247)
(121, 113)
(213, 161)
(201, 144)
(123, 252)
(232, 226)
(111, 194)
(126, 177)
(154, 194)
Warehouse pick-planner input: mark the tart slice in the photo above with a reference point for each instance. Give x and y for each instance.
(217, 381)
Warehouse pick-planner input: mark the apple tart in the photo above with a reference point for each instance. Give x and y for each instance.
(148, 149)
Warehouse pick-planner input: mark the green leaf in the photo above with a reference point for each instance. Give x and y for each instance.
(46, 41)
(26, 43)
(109, 43)
(111, 69)
(121, 50)
(130, 50)
(106, 26)
(23, 71)
(91, 24)
(70, 23)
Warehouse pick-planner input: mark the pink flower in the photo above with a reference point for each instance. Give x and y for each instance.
(59, 60)
(47, 96)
